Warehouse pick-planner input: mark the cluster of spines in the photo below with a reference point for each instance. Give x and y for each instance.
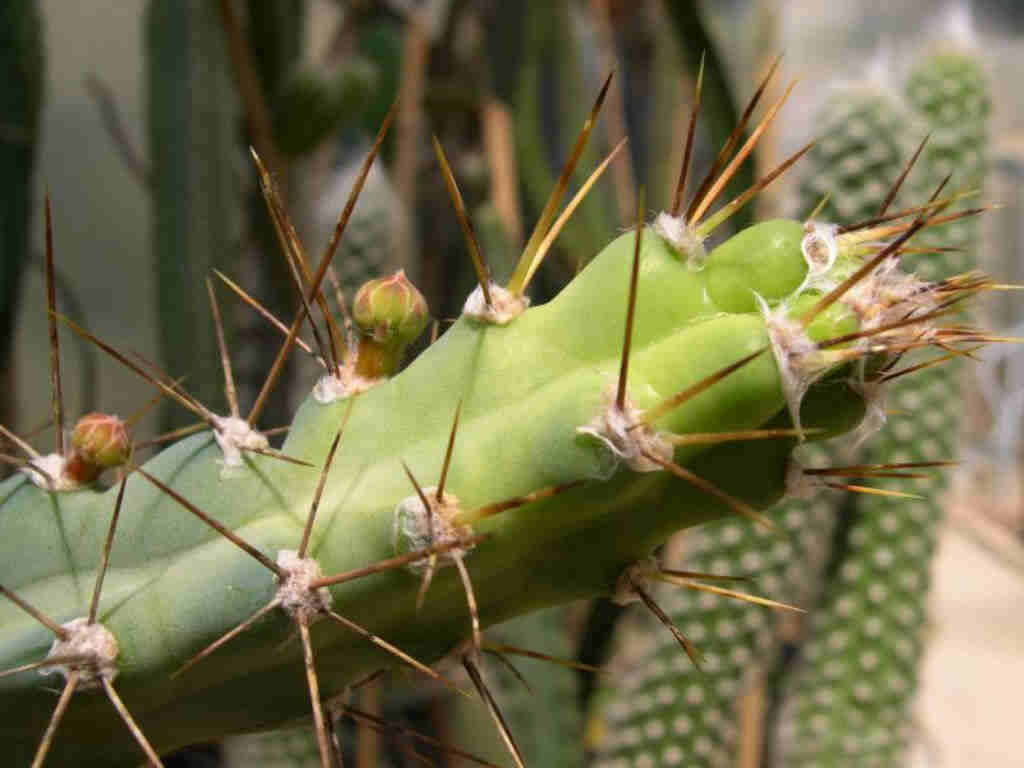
(848, 700)
(629, 431)
(848, 164)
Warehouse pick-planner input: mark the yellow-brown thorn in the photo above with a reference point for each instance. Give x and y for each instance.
(307, 530)
(428, 509)
(56, 391)
(517, 283)
(130, 724)
(734, 164)
(890, 375)
(170, 391)
(395, 562)
(55, 718)
(36, 614)
(736, 505)
(731, 593)
(517, 651)
(701, 575)
(446, 464)
(49, 661)
(108, 545)
(490, 510)
(314, 695)
(479, 265)
(28, 450)
(688, 647)
(869, 266)
(627, 340)
(873, 491)
(684, 170)
(292, 250)
(467, 587)
(711, 438)
(23, 464)
(730, 208)
(671, 403)
(732, 140)
(318, 276)
(265, 314)
(934, 204)
(243, 545)
(493, 709)
(566, 214)
(819, 207)
(894, 190)
(507, 663)
(226, 637)
(230, 393)
(393, 650)
(384, 725)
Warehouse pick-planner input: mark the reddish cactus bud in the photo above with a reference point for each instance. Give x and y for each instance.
(101, 439)
(390, 309)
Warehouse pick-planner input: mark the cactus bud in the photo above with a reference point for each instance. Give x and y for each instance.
(101, 439)
(390, 309)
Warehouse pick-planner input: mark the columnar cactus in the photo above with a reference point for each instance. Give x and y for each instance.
(848, 703)
(665, 386)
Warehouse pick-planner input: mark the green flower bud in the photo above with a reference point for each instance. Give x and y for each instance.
(390, 310)
(101, 439)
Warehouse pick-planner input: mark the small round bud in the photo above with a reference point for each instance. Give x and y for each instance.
(101, 439)
(390, 309)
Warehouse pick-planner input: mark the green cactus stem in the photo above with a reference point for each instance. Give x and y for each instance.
(538, 411)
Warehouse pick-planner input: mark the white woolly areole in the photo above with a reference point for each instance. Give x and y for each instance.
(640, 573)
(683, 239)
(91, 640)
(611, 428)
(295, 593)
(799, 360)
(234, 435)
(505, 305)
(413, 526)
(53, 464)
(875, 417)
(820, 249)
(331, 387)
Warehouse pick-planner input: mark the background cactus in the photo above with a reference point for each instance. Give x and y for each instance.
(20, 103)
(848, 700)
(575, 256)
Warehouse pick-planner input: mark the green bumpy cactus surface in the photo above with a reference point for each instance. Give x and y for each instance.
(525, 390)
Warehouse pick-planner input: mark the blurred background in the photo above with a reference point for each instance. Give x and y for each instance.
(136, 117)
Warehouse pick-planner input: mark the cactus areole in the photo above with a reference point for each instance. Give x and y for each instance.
(538, 411)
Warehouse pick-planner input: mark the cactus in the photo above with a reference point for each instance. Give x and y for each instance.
(196, 192)
(557, 446)
(848, 701)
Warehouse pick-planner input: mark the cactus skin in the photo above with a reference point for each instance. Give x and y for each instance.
(524, 389)
(848, 702)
